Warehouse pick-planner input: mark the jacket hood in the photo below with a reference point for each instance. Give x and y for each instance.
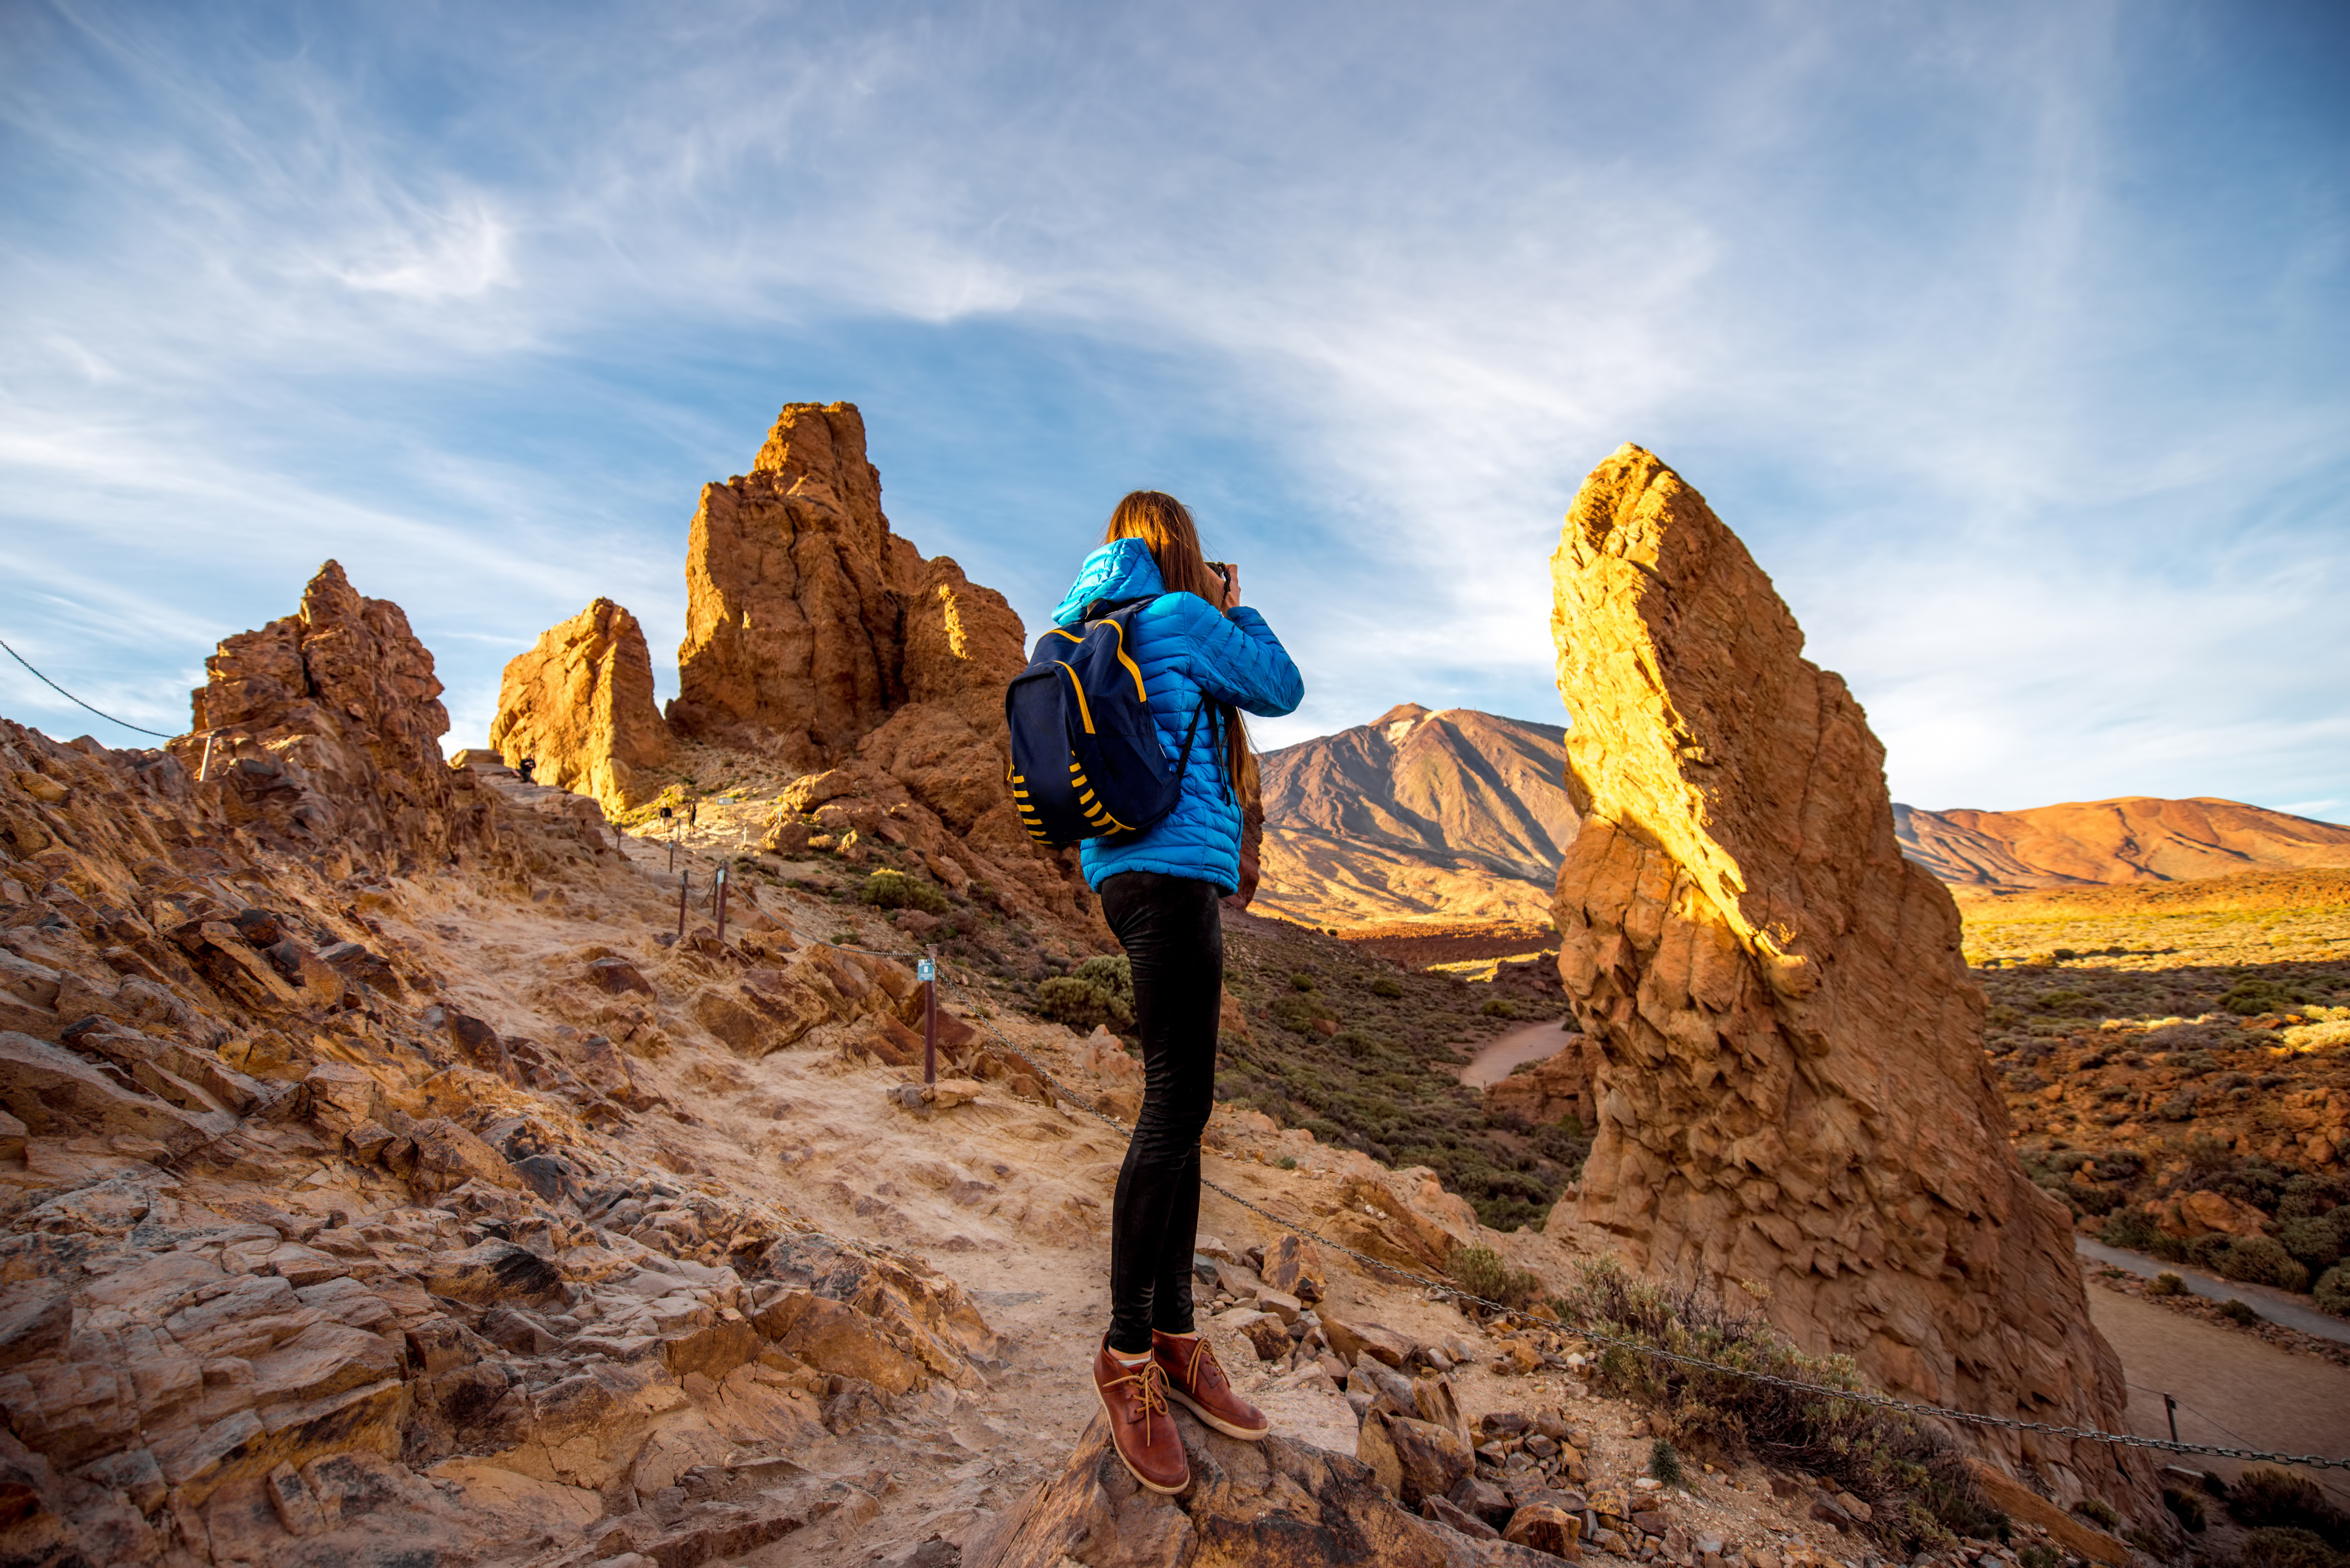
(1121, 569)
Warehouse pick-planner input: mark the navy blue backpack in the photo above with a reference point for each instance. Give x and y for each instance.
(1086, 759)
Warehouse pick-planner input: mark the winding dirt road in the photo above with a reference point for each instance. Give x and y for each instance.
(2232, 1390)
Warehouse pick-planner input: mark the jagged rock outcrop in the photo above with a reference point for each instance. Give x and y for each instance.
(815, 633)
(580, 703)
(321, 732)
(1279, 1503)
(300, 1262)
(808, 621)
(1792, 1087)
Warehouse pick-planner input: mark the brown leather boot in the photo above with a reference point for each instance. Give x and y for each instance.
(1194, 1377)
(1141, 1429)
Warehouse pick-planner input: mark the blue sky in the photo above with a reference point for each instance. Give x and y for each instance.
(2009, 335)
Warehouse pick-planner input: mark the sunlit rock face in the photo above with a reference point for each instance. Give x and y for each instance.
(580, 705)
(1792, 1096)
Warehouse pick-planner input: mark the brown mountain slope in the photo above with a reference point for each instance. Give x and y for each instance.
(2133, 839)
(1417, 816)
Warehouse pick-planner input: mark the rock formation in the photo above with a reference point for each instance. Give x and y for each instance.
(581, 704)
(302, 1259)
(321, 731)
(1792, 1087)
(1421, 816)
(808, 621)
(2134, 840)
(816, 634)
(1279, 1503)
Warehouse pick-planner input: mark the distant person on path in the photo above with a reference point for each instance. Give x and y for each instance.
(1160, 891)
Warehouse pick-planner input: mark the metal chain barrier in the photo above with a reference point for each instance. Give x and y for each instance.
(1446, 1288)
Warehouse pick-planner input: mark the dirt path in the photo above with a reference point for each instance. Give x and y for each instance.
(1527, 1042)
(2232, 1390)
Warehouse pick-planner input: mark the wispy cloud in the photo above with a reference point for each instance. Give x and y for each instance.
(2037, 426)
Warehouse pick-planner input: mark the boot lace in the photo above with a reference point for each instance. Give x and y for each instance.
(1152, 1394)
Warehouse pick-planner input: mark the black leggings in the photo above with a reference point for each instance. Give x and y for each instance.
(1173, 933)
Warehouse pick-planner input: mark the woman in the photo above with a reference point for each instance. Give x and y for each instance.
(1160, 891)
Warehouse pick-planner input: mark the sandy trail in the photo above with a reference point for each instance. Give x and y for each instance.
(2232, 1390)
(1528, 1042)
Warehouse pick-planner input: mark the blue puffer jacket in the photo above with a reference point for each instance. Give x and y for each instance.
(1186, 648)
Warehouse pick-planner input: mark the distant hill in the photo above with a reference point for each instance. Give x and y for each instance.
(1417, 816)
(2103, 842)
(1456, 815)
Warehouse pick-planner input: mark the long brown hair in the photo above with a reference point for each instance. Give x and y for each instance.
(1165, 524)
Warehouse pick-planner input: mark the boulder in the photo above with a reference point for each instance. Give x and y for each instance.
(580, 704)
(1278, 1503)
(1546, 1529)
(1293, 1265)
(1789, 1082)
(1355, 1340)
(1413, 1459)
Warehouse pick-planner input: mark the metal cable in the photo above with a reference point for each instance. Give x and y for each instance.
(71, 698)
(1852, 1395)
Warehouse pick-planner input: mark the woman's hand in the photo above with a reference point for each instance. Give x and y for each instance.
(1231, 585)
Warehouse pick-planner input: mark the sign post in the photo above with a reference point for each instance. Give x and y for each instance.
(927, 972)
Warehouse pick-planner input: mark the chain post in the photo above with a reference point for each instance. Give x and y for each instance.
(721, 909)
(684, 885)
(930, 1013)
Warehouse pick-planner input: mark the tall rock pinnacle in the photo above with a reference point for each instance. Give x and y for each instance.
(1792, 1087)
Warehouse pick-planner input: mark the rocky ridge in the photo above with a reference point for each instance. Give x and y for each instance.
(2133, 839)
(1790, 1081)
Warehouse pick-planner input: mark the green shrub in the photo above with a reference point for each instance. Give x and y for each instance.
(2318, 1242)
(1288, 1162)
(2132, 1228)
(2210, 1253)
(2098, 1512)
(1499, 1007)
(2186, 1508)
(1483, 1271)
(1387, 985)
(886, 889)
(1295, 1014)
(2332, 1291)
(2236, 1310)
(1098, 992)
(2275, 1546)
(2263, 1260)
(2278, 1498)
(2038, 1556)
(1301, 981)
(1914, 1480)
(2167, 1283)
(1665, 1464)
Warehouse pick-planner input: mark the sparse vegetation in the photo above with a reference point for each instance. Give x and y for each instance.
(1384, 1078)
(889, 890)
(2281, 1499)
(1098, 992)
(1918, 1487)
(2182, 1039)
(1664, 1463)
(1483, 1271)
